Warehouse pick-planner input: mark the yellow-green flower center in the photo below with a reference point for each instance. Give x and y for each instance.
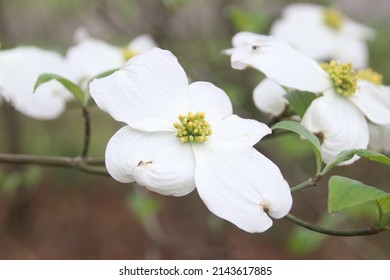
(128, 53)
(343, 77)
(333, 18)
(192, 128)
(370, 75)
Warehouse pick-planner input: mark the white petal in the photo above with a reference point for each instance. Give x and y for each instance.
(379, 137)
(151, 88)
(45, 104)
(237, 184)
(386, 90)
(243, 38)
(303, 11)
(268, 97)
(303, 27)
(280, 62)
(311, 38)
(158, 161)
(207, 98)
(20, 68)
(353, 29)
(142, 44)
(352, 51)
(341, 124)
(235, 130)
(310, 13)
(91, 57)
(371, 100)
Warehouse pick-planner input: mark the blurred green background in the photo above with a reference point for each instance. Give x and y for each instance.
(54, 213)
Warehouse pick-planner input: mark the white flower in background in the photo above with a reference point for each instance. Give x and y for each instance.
(179, 135)
(91, 57)
(324, 34)
(337, 116)
(19, 69)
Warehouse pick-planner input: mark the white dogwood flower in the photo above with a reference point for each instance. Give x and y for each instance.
(324, 34)
(19, 69)
(179, 136)
(337, 116)
(91, 56)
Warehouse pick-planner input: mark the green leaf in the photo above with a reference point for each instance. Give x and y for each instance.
(300, 100)
(103, 74)
(305, 133)
(383, 213)
(346, 155)
(70, 86)
(345, 192)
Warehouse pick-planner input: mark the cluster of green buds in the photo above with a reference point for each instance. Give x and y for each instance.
(192, 128)
(343, 77)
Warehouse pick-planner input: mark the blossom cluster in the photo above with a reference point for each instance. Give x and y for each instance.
(319, 50)
(180, 136)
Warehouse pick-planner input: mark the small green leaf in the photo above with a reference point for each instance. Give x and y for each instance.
(346, 155)
(70, 86)
(300, 100)
(345, 192)
(384, 213)
(102, 75)
(305, 133)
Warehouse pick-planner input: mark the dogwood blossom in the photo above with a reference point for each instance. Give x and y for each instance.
(337, 116)
(324, 34)
(91, 57)
(19, 69)
(179, 136)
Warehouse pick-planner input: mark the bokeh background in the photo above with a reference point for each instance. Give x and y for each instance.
(56, 213)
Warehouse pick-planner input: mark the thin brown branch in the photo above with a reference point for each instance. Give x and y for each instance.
(83, 164)
(87, 132)
(346, 233)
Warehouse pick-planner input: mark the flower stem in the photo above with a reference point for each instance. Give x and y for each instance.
(87, 165)
(359, 232)
(311, 182)
(87, 132)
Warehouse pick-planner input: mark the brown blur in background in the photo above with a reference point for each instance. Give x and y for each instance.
(55, 213)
